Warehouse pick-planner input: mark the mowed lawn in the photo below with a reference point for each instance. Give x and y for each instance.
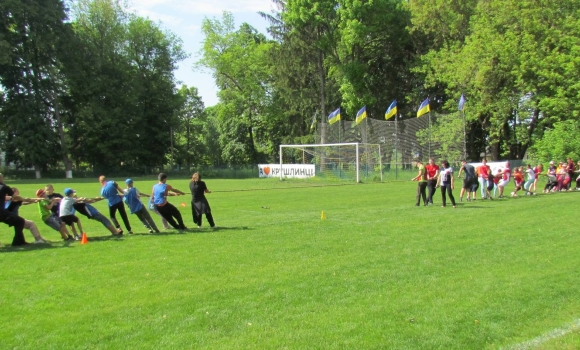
(378, 273)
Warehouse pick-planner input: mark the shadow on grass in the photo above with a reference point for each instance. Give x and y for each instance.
(67, 244)
(199, 230)
(34, 247)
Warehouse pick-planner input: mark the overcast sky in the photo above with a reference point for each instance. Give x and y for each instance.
(184, 17)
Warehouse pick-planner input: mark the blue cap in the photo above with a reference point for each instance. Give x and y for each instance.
(128, 181)
(68, 191)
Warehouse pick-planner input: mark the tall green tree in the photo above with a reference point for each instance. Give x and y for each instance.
(123, 96)
(237, 59)
(190, 137)
(32, 34)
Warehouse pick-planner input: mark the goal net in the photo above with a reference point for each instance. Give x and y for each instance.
(359, 162)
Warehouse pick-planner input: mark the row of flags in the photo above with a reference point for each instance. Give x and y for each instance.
(424, 108)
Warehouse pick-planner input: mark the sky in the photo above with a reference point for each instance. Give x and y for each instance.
(184, 18)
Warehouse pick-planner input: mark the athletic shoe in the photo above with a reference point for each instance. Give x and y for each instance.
(77, 237)
(461, 199)
(469, 199)
(40, 240)
(416, 204)
(198, 226)
(150, 231)
(130, 232)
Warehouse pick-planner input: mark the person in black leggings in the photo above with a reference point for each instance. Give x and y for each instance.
(447, 183)
(9, 218)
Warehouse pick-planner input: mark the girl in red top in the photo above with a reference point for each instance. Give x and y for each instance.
(519, 180)
(537, 170)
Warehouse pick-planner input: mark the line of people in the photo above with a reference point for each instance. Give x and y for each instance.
(432, 176)
(59, 211)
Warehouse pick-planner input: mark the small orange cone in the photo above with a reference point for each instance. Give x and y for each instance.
(183, 204)
(84, 239)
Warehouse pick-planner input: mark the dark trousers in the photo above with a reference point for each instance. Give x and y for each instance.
(169, 212)
(421, 189)
(146, 219)
(18, 223)
(431, 186)
(197, 217)
(113, 214)
(447, 188)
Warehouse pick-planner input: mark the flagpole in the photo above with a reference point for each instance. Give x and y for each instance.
(429, 133)
(367, 141)
(396, 150)
(464, 136)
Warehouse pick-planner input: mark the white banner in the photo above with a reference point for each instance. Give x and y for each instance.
(301, 171)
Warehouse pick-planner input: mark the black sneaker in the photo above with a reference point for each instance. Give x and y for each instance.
(130, 232)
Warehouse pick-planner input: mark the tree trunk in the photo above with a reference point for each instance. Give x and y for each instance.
(65, 158)
(37, 171)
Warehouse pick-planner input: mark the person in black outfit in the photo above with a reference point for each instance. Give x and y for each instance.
(199, 204)
(8, 218)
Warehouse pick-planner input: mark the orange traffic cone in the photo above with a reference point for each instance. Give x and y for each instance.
(84, 239)
(183, 204)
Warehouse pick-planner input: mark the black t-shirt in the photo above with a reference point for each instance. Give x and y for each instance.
(197, 190)
(5, 190)
(55, 207)
(469, 171)
(13, 207)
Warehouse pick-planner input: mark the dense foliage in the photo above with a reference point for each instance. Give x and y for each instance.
(93, 86)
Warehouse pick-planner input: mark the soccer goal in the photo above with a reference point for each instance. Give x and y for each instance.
(342, 161)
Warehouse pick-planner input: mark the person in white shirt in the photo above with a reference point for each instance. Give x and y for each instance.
(66, 212)
(447, 183)
(531, 178)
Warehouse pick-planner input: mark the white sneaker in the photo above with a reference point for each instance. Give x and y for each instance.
(40, 241)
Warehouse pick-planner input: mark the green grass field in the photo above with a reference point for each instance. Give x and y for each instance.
(378, 273)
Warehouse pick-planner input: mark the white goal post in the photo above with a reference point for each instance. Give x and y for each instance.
(343, 158)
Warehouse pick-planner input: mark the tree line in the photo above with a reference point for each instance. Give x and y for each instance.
(92, 85)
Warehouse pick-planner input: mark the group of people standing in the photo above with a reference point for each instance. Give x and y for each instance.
(432, 176)
(59, 211)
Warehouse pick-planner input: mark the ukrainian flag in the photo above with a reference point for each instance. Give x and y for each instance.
(392, 110)
(313, 121)
(461, 105)
(360, 115)
(334, 117)
(423, 108)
